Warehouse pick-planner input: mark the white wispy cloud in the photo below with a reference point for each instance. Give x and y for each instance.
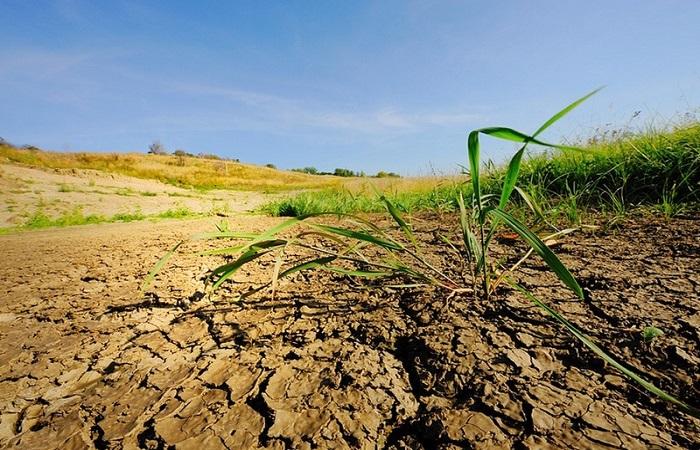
(289, 112)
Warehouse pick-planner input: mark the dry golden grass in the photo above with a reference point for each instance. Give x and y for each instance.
(400, 185)
(181, 171)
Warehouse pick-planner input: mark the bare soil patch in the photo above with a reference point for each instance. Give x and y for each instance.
(25, 191)
(87, 361)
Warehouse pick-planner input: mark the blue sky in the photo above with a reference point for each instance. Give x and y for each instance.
(364, 85)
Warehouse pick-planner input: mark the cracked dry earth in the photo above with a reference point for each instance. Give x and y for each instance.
(88, 362)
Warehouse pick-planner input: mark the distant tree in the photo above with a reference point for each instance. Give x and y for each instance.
(156, 148)
(208, 156)
(270, 166)
(382, 174)
(180, 152)
(309, 170)
(339, 172)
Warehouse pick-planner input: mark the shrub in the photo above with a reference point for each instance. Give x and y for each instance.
(156, 148)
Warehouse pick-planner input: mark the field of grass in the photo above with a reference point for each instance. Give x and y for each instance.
(183, 171)
(656, 168)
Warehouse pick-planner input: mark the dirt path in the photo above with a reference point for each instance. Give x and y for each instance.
(87, 361)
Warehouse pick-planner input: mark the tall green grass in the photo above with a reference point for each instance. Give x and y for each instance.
(660, 168)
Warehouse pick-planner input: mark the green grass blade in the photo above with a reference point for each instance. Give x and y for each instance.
(311, 264)
(232, 250)
(510, 134)
(239, 248)
(227, 270)
(564, 112)
(531, 203)
(540, 248)
(360, 236)
(224, 235)
(357, 273)
(405, 227)
(158, 266)
(474, 162)
(695, 412)
(470, 241)
(511, 177)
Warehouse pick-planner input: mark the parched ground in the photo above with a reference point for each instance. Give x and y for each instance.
(86, 361)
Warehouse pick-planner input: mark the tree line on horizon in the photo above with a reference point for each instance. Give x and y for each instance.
(156, 148)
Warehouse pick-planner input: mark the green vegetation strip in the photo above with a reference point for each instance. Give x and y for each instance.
(659, 168)
(40, 219)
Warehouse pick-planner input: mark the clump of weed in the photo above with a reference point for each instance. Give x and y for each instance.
(40, 219)
(650, 333)
(128, 216)
(176, 213)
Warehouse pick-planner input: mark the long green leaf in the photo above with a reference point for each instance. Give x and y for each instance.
(159, 265)
(531, 203)
(357, 273)
(511, 177)
(695, 412)
(360, 236)
(239, 248)
(564, 112)
(474, 162)
(514, 166)
(405, 227)
(470, 241)
(224, 235)
(510, 134)
(311, 264)
(227, 270)
(540, 248)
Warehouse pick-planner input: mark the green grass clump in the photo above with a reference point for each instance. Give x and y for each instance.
(74, 217)
(128, 217)
(647, 168)
(40, 219)
(176, 213)
(655, 168)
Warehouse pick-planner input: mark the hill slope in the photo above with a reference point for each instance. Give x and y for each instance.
(181, 171)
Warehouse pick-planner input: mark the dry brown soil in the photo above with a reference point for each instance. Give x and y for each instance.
(86, 361)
